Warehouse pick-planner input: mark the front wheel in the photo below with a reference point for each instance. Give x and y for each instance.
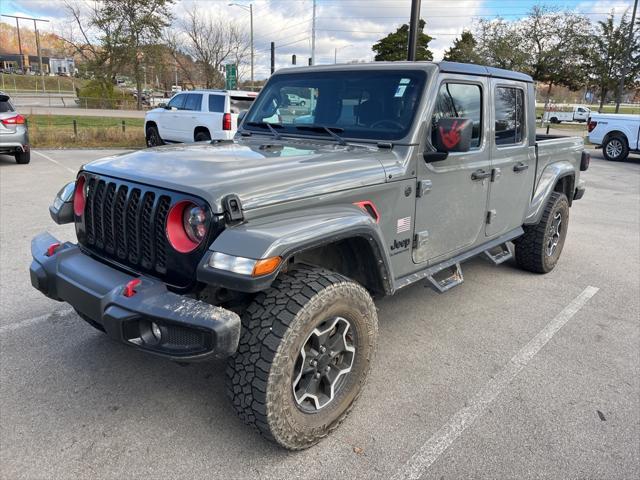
(305, 351)
(615, 149)
(153, 137)
(539, 249)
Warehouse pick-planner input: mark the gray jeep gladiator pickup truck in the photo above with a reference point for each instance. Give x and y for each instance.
(268, 249)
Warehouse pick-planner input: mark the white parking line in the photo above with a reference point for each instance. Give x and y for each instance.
(32, 321)
(429, 452)
(47, 157)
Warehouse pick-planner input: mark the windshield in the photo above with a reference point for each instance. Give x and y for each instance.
(366, 104)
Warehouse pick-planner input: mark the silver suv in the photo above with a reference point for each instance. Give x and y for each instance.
(14, 135)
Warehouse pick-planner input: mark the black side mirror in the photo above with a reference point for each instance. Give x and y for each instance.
(453, 135)
(241, 116)
(162, 105)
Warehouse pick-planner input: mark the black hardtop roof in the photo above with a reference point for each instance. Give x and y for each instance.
(448, 67)
(482, 70)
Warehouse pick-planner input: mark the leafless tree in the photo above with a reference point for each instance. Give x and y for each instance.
(211, 42)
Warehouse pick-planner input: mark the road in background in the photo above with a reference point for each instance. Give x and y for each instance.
(74, 404)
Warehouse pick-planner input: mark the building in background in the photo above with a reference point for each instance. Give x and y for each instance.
(30, 63)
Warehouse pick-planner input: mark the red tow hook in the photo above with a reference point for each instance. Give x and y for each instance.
(129, 288)
(52, 248)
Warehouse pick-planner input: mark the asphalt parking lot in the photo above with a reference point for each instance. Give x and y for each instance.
(510, 375)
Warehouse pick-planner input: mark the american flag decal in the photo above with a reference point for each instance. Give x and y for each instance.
(404, 225)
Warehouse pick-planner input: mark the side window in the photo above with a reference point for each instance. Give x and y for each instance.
(216, 103)
(178, 101)
(194, 102)
(459, 100)
(509, 116)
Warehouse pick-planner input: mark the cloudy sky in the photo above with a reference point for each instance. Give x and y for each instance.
(350, 26)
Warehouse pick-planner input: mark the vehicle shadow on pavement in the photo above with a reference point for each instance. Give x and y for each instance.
(123, 383)
(7, 160)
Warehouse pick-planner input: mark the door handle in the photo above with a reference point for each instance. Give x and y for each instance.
(480, 175)
(520, 167)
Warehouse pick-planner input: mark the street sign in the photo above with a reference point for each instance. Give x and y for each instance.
(231, 76)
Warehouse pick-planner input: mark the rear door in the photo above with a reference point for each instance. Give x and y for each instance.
(190, 117)
(450, 210)
(513, 158)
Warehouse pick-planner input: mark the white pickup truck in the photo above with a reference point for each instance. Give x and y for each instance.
(580, 113)
(616, 134)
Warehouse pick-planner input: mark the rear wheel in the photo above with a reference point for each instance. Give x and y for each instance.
(202, 136)
(305, 351)
(153, 137)
(539, 249)
(615, 148)
(23, 157)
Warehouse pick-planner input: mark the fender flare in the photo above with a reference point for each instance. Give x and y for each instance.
(548, 180)
(289, 233)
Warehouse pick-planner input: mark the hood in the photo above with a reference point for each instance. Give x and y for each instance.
(260, 171)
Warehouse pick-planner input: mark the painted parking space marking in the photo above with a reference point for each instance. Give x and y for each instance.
(33, 321)
(429, 452)
(47, 157)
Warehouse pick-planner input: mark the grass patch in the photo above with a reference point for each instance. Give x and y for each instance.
(56, 131)
(33, 83)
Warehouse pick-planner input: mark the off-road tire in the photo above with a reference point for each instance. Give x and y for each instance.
(531, 248)
(153, 137)
(274, 328)
(22, 158)
(620, 145)
(202, 136)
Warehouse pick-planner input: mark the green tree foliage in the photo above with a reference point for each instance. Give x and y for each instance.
(557, 45)
(464, 49)
(395, 46)
(128, 28)
(608, 54)
(500, 44)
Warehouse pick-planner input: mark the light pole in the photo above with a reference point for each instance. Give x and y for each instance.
(250, 10)
(335, 52)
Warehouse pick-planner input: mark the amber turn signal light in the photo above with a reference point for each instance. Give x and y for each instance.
(266, 266)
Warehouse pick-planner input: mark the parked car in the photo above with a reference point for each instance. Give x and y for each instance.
(296, 100)
(14, 134)
(269, 249)
(579, 113)
(616, 134)
(197, 115)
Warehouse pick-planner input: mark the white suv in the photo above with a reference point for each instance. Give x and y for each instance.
(197, 115)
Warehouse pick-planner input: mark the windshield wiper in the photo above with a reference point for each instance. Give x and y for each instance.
(271, 126)
(329, 130)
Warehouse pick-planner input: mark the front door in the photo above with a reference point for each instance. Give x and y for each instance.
(451, 208)
(513, 159)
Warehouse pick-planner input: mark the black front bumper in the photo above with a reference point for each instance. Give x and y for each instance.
(189, 329)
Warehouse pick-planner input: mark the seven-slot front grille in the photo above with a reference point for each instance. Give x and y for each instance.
(126, 222)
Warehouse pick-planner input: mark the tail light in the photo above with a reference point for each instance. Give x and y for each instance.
(226, 121)
(79, 197)
(16, 120)
(591, 125)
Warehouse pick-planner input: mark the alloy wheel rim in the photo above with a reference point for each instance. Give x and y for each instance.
(323, 364)
(555, 231)
(614, 148)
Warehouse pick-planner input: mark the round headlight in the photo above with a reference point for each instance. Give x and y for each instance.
(186, 226)
(194, 220)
